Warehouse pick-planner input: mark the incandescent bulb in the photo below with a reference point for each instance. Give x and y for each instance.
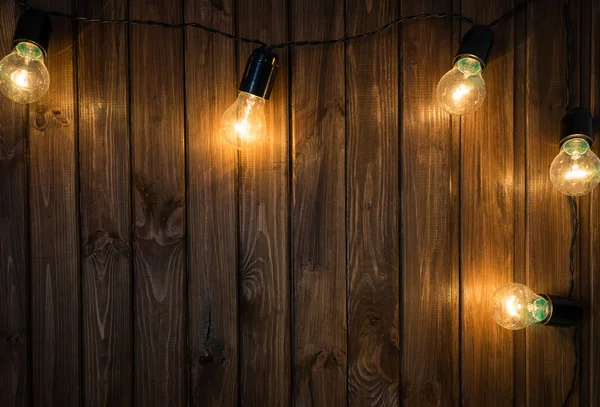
(243, 125)
(462, 89)
(23, 75)
(515, 306)
(576, 169)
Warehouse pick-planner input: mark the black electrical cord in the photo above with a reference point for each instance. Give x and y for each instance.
(575, 338)
(377, 31)
(508, 13)
(572, 247)
(392, 23)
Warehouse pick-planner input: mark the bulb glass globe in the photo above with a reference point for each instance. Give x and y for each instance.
(23, 76)
(462, 89)
(576, 169)
(515, 306)
(244, 124)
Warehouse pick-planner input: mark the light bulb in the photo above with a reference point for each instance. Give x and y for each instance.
(576, 169)
(462, 89)
(244, 124)
(23, 75)
(515, 306)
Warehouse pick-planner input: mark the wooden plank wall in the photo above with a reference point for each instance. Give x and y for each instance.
(347, 260)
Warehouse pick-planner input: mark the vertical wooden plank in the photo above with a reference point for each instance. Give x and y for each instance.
(430, 214)
(105, 207)
(520, 195)
(157, 130)
(212, 300)
(488, 200)
(55, 279)
(14, 274)
(264, 211)
(591, 375)
(585, 211)
(318, 214)
(549, 230)
(372, 183)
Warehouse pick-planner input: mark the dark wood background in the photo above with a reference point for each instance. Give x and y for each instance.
(349, 260)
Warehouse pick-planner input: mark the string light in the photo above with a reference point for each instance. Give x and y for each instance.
(462, 89)
(23, 76)
(244, 124)
(576, 169)
(515, 306)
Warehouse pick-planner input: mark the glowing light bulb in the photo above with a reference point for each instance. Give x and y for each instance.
(23, 75)
(576, 169)
(462, 89)
(244, 124)
(515, 306)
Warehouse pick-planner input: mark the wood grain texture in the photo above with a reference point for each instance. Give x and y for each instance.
(548, 211)
(288, 289)
(54, 227)
(212, 218)
(157, 130)
(520, 196)
(585, 212)
(430, 215)
(372, 181)
(105, 204)
(14, 276)
(488, 200)
(318, 214)
(589, 374)
(265, 320)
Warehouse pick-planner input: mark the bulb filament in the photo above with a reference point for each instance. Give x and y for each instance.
(576, 173)
(19, 78)
(461, 91)
(512, 306)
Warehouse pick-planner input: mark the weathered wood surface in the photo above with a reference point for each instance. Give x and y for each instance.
(348, 260)
(15, 379)
(264, 253)
(318, 209)
(590, 381)
(212, 220)
(488, 201)
(56, 339)
(158, 183)
(430, 221)
(548, 212)
(372, 173)
(105, 203)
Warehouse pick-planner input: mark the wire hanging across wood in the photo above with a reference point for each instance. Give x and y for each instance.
(284, 44)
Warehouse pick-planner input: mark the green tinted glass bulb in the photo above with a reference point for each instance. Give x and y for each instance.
(576, 169)
(515, 306)
(462, 89)
(23, 76)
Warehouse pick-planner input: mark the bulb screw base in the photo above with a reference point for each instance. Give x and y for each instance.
(477, 43)
(565, 311)
(33, 26)
(577, 123)
(259, 76)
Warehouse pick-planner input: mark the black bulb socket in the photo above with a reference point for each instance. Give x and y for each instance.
(476, 43)
(259, 76)
(565, 311)
(33, 26)
(577, 123)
